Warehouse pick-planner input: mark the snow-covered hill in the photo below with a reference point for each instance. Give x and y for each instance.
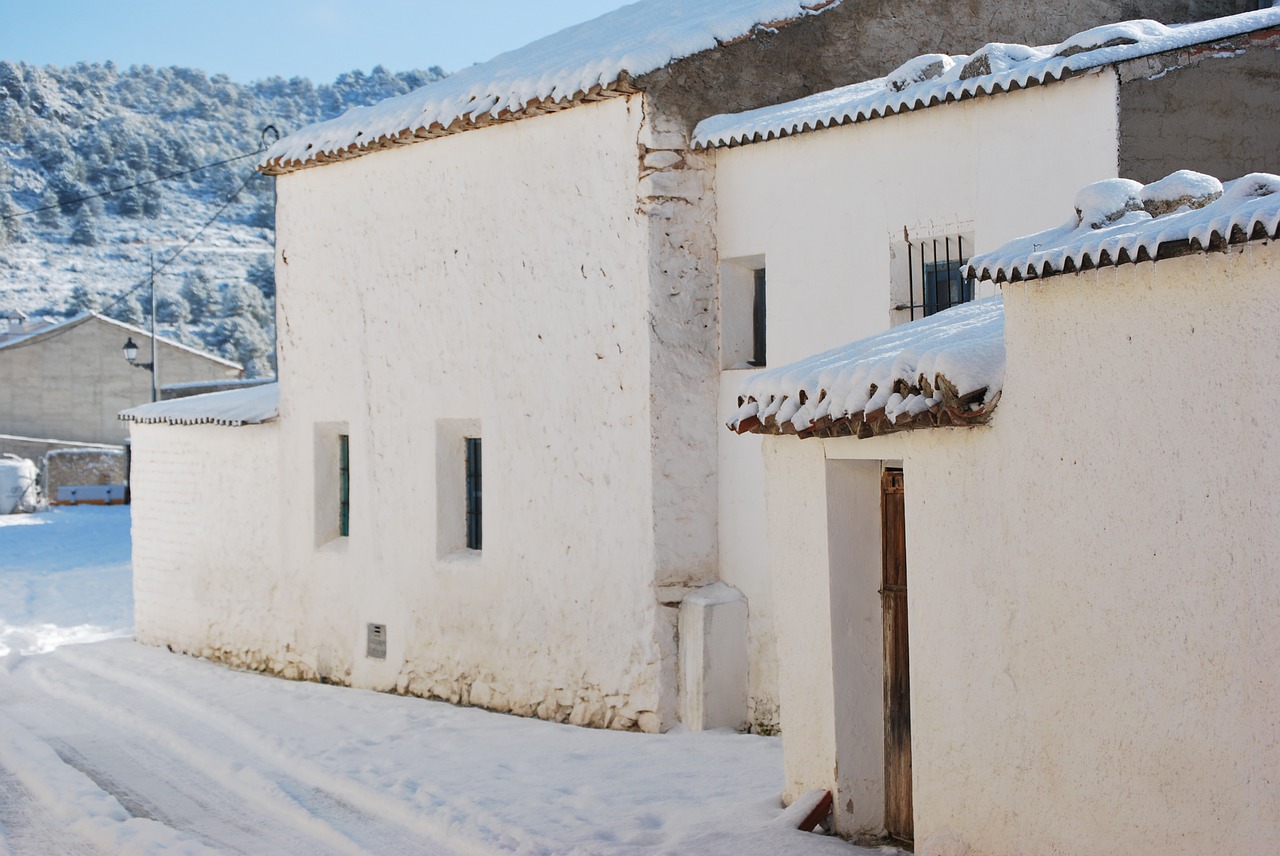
(71, 133)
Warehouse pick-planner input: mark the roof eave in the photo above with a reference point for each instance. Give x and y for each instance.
(624, 85)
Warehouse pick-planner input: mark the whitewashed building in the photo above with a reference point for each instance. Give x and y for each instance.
(506, 302)
(937, 156)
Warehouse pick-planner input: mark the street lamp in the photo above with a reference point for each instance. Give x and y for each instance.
(130, 349)
(131, 354)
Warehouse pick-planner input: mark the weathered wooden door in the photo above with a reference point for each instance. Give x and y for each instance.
(897, 673)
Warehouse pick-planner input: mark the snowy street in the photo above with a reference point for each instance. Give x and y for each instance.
(113, 747)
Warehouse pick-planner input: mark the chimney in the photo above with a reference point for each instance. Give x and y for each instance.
(16, 319)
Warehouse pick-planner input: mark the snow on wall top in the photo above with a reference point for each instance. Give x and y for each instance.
(1118, 221)
(48, 331)
(250, 406)
(947, 369)
(937, 78)
(581, 62)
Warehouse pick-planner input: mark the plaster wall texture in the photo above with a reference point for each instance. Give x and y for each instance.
(494, 284)
(827, 209)
(744, 558)
(825, 214)
(1213, 112)
(72, 385)
(1090, 583)
(1098, 638)
(206, 532)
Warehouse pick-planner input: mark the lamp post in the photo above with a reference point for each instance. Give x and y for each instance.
(131, 350)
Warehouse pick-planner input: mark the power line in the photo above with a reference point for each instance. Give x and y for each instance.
(207, 223)
(70, 202)
(166, 262)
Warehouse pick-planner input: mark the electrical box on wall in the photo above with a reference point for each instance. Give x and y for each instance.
(376, 647)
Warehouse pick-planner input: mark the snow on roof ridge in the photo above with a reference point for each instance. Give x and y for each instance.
(1118, 221)
(251, 406)
(85, 316)
(587, 61)
(944, 370)
(933, 79)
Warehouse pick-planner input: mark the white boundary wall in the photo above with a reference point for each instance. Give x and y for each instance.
(1091, 589)
(206, 535)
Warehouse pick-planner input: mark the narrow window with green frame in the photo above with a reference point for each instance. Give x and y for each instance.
(474, 506)
(344, 485)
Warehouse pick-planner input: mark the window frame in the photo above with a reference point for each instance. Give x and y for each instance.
(344, 485)
(474, 492)
(929, 278)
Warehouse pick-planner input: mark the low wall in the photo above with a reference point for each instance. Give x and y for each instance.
(77, 476)
(205, 533)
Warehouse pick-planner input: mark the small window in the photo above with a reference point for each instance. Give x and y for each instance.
(758, 320)
(934, 275)
(742, 313)
(474, 495)
(344, 485)
(332, 483)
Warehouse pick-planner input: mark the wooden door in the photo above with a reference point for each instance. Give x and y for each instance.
(897, 673)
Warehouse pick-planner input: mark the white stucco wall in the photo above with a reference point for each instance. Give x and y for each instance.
(1090, 580)
(824, 211)
(494, 284)
(1095, 670)
(206, 533)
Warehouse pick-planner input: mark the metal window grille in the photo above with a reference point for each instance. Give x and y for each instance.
(757, 321)
(344, 485)
(474, 496)
(934, 276)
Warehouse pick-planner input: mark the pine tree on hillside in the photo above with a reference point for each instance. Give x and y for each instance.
(129, 310)
(244, 300)
(84, 232)
(202, 295)
(172, 309)
(82, 299)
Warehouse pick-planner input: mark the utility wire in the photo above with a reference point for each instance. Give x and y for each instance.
(70, 202)
(166, 262)
(102, 310)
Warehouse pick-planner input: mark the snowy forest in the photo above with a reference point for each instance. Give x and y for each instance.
(69, 137)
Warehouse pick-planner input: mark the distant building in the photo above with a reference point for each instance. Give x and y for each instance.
(68, 380)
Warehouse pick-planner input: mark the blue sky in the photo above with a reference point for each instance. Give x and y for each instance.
(252, 40)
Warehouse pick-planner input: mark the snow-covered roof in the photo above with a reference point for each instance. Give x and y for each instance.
(937, 78)
(586, 62)
(51, 330)
(947, 369)
(250, 406)
(1118, 221)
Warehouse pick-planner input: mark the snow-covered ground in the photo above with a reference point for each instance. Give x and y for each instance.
(113, 747)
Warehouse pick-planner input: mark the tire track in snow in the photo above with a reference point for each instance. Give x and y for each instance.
(301, 789)
(48, 807)
(26, 828)
(461, 813)
(234, 802)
